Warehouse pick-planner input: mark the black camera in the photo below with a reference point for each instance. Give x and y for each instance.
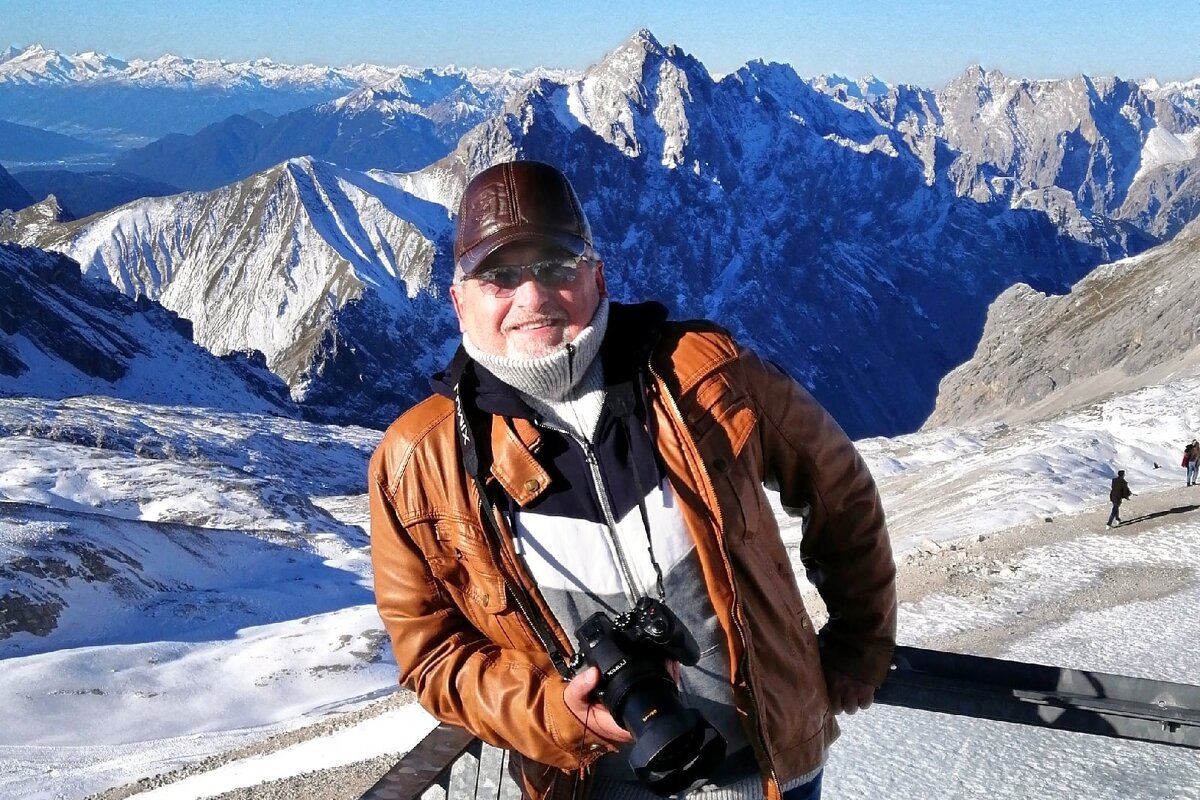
(674, 746)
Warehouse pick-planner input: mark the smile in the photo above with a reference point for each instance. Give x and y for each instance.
(538, 325)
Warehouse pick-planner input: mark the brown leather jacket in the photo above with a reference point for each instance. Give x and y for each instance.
(725, 424)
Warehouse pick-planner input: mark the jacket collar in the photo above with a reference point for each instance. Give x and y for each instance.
(632, 333)
(511, 436)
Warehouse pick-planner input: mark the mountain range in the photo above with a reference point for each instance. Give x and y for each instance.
(400, 125)
(880, 221)
(117, 104)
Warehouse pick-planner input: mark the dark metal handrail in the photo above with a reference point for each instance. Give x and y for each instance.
(427, 765)
(1052, 697)
(1081, 701)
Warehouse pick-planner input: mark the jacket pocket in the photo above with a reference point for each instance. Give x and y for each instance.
(463, 563)
(724, 425)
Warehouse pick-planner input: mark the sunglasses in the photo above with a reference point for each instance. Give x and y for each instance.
(557, 273)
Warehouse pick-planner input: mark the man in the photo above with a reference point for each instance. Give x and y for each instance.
(579, 455)
(1191, 461)
(1118, 494)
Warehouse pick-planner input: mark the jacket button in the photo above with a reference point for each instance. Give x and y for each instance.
(532, 485)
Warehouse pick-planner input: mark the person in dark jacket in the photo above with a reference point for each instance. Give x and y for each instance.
(579, 456)
(1118, 494)
(1191, 461)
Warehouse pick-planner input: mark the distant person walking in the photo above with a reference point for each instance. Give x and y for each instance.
(1191, 459)
(1119, 493)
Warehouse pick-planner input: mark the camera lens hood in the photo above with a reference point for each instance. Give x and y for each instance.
(676, 752)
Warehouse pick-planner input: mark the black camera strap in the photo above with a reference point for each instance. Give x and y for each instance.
(622, 401)
(468, 436)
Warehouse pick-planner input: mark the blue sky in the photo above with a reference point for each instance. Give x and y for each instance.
(922, 41)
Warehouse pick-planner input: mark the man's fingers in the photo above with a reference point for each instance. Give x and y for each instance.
(846, 694)
(582, 685)
(579, 699)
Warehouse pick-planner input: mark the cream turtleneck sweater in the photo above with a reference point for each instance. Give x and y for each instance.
(564, 388)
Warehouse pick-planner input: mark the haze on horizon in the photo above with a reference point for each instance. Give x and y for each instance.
(924, 42)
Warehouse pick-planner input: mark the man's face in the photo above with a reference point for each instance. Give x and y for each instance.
(535, 321)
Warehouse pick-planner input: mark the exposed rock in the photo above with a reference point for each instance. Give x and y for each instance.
(1126, 325)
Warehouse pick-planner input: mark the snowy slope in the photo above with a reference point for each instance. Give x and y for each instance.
(174, 673)
(326, 272)
(62, 335)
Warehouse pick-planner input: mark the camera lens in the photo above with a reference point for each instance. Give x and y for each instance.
(674, 747)
(678, 752)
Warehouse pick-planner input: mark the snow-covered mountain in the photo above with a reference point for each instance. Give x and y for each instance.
(870, 213)
(1128, 324)
(325, 271)
(1086, 151)
(708, 195)
(400, 125)
(61, 336)
(713, 195)
(119, 103)
(40, 66)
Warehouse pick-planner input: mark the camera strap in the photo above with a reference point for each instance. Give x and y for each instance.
(468, 436)
(622, 401)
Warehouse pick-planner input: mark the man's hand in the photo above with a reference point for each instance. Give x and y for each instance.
(847, 694)
(594, 716)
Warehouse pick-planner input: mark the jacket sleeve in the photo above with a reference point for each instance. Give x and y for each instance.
(509, 698)
(845, 545)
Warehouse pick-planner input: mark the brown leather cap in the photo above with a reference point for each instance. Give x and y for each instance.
(518, 201)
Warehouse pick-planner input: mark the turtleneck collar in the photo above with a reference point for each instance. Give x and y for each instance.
(553, 376)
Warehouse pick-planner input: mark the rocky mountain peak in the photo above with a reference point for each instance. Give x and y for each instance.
(636, 98)
(1127, 324)
(34, 220)
(643, 51)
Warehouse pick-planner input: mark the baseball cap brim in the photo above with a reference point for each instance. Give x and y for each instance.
(472, 258)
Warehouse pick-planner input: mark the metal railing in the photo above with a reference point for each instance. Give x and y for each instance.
(1081, 701)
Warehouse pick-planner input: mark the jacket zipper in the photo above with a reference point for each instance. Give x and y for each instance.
(610, 520)
(660, 388)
